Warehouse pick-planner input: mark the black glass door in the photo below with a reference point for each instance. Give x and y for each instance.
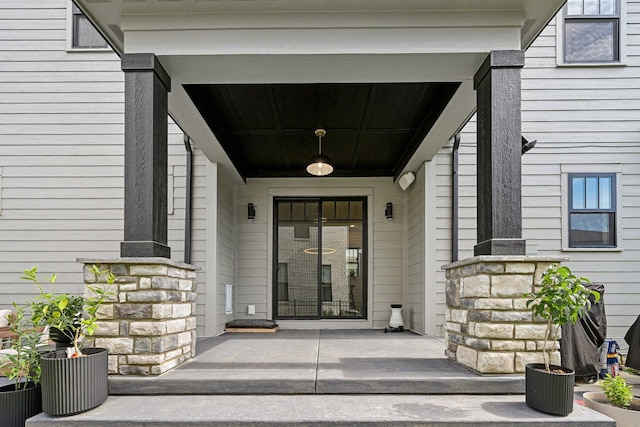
(320, 258)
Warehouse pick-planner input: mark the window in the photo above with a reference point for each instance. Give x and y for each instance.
(353, 262)
(84, 34)
(283, 282)
(592, 31)
(592, 210)
(326, 283)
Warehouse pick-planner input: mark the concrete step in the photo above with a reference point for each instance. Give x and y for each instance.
(320, 410)
(243, 383)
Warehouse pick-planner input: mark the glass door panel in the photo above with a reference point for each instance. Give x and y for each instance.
(297, 260)
(319, 271)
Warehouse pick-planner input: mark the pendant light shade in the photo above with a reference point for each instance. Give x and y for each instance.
(320, 164)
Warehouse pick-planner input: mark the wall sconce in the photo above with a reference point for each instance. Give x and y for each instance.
(251, 212)
(388, 212)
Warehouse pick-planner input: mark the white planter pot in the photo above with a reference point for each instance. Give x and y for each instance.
(624, 417)
(396, 316)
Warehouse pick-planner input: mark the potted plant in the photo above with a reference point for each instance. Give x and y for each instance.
(616, 402)
(23, 398)
(561, 298)
(56, 310)
(74, 379)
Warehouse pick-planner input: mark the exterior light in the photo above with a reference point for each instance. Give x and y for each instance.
(320, 164)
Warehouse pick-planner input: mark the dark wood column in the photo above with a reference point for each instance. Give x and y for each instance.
(498, 85)
(147, 85)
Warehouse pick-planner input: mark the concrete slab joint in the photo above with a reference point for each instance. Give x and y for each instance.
(148, 324)
(488, 325)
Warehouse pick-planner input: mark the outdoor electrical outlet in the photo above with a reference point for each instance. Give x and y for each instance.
(251, 310)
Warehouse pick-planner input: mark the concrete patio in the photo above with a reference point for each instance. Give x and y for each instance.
(313, 377)
(319, 362)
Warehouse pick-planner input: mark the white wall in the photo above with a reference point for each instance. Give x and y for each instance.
(253, 279)
(225, 252)
(585, 119)
(62, 154)
(413, 309)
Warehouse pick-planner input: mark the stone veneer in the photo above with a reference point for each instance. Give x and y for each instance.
(488, 326)
(148, 323)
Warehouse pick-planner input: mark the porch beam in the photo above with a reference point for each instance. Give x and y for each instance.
(498, 90)
(147, 85)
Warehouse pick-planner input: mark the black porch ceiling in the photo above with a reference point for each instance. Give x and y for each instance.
(267, 130)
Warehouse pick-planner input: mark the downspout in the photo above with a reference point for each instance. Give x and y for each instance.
(187, 203)
(454, 198)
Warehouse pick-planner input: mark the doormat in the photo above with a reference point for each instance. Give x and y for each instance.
(251, 325)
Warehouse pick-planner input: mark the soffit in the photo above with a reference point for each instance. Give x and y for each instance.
(373, 129)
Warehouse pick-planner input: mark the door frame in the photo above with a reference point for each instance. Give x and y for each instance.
(365, 258)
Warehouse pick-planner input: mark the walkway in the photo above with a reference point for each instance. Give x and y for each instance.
(320, 378)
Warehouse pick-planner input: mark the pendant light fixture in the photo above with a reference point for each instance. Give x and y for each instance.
(320, 165)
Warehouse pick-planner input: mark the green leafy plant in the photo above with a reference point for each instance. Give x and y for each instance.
(617, 391)
(74, 315)
(24, 364)
(560, 299)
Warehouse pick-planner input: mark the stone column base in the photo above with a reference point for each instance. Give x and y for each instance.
(148, 324)
(488, 326)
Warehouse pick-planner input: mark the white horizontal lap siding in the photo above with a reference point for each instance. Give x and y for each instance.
(176, 191)
(198, 233)
(386, 250)
(254, 240)
(443, 227)
(62, 152)
(252, 272)
(413, 311)
(61, 126)
(586, 119)
(225, 251)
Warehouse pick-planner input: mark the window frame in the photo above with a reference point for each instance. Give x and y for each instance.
(592, 169)
(611, 210)
(620, 36)
(276, 216)
(72, 12)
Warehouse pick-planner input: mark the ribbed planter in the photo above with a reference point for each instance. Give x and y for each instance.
(72, 386)
(629, 417)
(549, 392)
(17, 406)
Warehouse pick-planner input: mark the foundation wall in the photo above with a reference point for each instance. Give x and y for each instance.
(488, 325)
(148, 323)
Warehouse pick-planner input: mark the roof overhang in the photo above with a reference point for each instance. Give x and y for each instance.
(275, 46)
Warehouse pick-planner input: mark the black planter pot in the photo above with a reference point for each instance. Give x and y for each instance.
(72, 386)
(549, 392)
(17, 406)
(62, 339)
